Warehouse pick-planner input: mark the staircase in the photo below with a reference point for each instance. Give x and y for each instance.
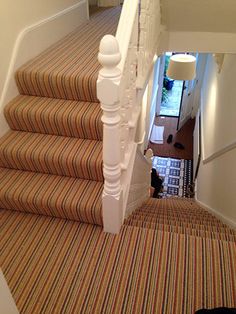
(170, 256)
(182, 216)
(51, 159)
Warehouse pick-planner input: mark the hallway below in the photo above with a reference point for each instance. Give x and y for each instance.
(184, 136)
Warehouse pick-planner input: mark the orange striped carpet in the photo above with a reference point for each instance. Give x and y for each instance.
(60, 266)
(171, 256)
(51, 159)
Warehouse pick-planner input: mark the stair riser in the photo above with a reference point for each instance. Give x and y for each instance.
(175, 219)
(175, 214)
(188, 224)
(50, 195)
(182, 230)
(55, 117)
(52, 155)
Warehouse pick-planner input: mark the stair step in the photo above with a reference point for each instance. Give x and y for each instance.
(194, 219)
(55, 117)
(172, 212)
(225, 236)
(172, 203)
(184, 223)
(182, 211)
(157, 218)
(52, 154)
(51, 195)
(69, 68)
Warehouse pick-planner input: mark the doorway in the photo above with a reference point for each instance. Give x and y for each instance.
(171, 93)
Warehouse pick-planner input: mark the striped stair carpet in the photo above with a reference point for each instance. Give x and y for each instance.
(51, 159)
(163, 261)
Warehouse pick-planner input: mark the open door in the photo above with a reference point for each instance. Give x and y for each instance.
(187, 100)
(185, 104)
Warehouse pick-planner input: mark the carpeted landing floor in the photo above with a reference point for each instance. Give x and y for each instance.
(170, 257)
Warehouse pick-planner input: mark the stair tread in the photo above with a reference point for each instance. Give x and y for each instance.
(73, 157)
(69, 68)
(180, 223)
(51, 195)
(176, 214)
(224, 236)
(174, 218)
(55, 116)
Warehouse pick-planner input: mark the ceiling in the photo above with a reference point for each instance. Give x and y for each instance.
(199, 15)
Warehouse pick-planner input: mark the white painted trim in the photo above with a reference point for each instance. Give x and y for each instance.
(231, 223)
(220, 152)
(140, 182)
(7, 303)
(225, 149)
(126, 179)
(142, 139)
(134, 202)
(50, 29)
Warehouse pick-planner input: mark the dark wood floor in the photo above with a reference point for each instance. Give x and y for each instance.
(184, 136)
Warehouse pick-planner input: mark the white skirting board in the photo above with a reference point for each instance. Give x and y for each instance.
(34, 39)
(7, 303)
(231, 223)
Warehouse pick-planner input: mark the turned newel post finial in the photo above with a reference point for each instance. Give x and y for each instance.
(109, 56)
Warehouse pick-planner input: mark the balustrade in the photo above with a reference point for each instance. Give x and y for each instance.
(122, 60)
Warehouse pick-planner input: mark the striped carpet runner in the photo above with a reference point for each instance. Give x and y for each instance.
(170, 257)
(62, 266)
(51, 159)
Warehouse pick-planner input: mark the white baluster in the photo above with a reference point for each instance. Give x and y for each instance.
(108, 88)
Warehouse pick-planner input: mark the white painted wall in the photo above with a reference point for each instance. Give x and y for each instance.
(199, 16)
(219, 105)
(216, 180)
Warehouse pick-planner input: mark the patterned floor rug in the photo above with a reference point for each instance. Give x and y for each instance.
(176, 174)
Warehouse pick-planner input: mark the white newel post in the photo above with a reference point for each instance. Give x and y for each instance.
(108, 87)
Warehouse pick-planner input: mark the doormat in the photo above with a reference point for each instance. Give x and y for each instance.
(157, 134)
(176, 174)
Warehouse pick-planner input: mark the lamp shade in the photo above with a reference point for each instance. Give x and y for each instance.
(182, 67)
